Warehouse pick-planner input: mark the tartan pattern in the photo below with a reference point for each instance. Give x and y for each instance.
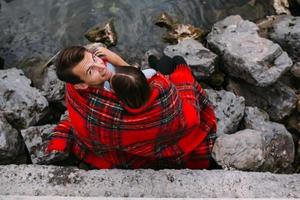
(174, 129)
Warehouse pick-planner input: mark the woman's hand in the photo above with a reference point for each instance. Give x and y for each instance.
(112, 57)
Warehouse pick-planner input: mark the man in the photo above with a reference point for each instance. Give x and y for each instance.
(175, 128)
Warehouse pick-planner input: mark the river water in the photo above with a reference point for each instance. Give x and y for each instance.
(31, 31)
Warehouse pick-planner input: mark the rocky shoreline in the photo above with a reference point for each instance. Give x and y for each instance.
(252, 81)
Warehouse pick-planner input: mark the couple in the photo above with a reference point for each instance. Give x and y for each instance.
(157, 119)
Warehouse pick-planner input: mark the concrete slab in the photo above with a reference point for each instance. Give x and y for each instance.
(38, 180)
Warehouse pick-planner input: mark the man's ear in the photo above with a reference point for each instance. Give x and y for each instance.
(81, 86)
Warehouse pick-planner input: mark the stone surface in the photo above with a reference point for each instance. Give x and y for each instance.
(242, 150)
(201, 60)
(229, 110)
(59, 181)
(296, 70)
(10, 142)
(52, 88)
(245, 54)
(23, 104)
(278, 100)
(278, 144)
(286, 32)
(35, 138)
(292, 123)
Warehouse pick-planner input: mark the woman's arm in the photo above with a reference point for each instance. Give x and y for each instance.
(112, 57)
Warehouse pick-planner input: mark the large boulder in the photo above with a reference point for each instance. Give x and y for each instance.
(36, 139)
(229, 110)
(286, 32)
(201, 60)
(242, 150)
(245, 54)
(11, 145)
(24, 105)
(278, 100)
(278, 142)
(52, 88)
(254, 150)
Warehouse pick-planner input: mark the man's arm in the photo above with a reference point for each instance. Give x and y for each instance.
(112, 57)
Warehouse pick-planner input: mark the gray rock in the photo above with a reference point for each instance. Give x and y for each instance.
(37, 180)
(245, 54)
(36, 140)
(286, 32)
(201, 60)
(53, 89)
(229, 110)
(296, 70)
(242, 150)
(278, 100)
(23, 104)
(10, 142)
(278, 143)
(263, 149)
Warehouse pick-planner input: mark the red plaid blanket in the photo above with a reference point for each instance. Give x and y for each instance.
(174, 129)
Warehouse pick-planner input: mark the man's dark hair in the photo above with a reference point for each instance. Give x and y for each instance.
(130, 86)
(67, 59)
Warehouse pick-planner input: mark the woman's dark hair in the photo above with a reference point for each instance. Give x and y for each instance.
(67, 59)
(130, 86)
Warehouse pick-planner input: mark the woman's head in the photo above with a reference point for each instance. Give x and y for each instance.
(130, 86)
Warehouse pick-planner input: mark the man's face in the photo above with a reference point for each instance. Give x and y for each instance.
(92, 70)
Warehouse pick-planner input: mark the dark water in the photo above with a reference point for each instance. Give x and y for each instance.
(31, 31)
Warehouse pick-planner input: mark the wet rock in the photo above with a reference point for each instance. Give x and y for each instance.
(281, 7)
(201, 60)
(293, 123)
(229, 110)
(10, 142)
(165, 20)
(245, 54)
(103, 33)
(24, 105)
(52, 88)
(296, 70)
(181, 32)
(278, 143)
(286, 31)
(278, 100)
(36, 138)
(178, 32)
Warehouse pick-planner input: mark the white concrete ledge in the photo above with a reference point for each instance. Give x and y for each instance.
(37, 180)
